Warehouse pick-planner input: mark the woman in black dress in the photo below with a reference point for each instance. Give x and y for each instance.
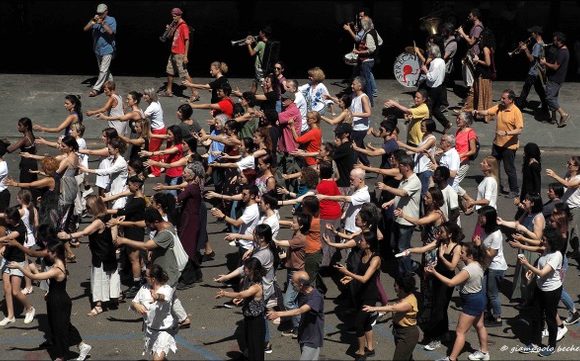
(366, 292)
(58, 303)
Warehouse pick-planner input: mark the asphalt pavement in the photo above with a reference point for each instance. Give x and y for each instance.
(117, 334)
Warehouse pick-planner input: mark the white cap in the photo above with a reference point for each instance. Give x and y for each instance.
(101, 8)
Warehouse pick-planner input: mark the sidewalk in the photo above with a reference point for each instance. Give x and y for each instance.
(41, 97)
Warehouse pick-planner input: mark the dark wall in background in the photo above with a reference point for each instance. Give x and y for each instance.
(47, 36)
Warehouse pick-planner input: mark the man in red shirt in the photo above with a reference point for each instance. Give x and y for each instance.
(179, 48)
(225, 104)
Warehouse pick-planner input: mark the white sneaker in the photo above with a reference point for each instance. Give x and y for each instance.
(478, 355)
(7, 320)
(545, 333)
(29, 316)
(233, 244)
(561, 333)
(84, 349)
(433, 345)
(446, 358)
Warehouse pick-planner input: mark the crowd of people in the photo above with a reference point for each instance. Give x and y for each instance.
(262, 151)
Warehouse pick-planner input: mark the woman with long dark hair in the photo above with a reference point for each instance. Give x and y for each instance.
(253, 307)
(531, 174)
(366, 292)
(447, 246)
(548, 290)
(480, 98)
(72, 104)
(58, 303)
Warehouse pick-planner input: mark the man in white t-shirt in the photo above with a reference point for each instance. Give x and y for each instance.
(268, 205)
(249, 219)
(449, 158)
(408, 199)
(359, 197)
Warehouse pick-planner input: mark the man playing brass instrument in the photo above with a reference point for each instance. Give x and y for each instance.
(258, 51)
(537, 73)
(472, 41)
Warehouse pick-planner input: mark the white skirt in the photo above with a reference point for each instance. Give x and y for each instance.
(157, 342)
(105, 285)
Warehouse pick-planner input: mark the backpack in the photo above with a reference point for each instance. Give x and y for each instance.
(477, 147)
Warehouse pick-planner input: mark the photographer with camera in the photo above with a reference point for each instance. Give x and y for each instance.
(103, 29)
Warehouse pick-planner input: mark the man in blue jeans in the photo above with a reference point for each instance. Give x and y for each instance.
(408, 199)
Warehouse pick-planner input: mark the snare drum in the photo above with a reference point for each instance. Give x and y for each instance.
(351, 59)
(407, 70)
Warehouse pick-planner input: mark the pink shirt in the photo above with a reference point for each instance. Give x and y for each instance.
(286, 142)
(462, 139)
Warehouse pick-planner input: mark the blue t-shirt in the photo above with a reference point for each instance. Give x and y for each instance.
(311, 328)
(536, 54)
(104, 43)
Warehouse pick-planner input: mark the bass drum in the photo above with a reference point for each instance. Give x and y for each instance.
(407, 70)
(351, 59)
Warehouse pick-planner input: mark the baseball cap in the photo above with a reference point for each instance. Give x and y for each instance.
(535, 29)
(343, 128)
(176, 11)
(288, 95)
(101, 8)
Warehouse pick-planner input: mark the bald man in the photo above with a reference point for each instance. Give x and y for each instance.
(359, 197)
(311, 312)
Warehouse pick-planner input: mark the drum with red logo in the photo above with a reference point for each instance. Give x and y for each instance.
(407, 70)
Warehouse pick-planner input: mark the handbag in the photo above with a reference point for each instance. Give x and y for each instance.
(181, 257)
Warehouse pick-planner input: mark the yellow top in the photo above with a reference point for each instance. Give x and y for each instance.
(508, 119)
(414, 133)
(410, 318)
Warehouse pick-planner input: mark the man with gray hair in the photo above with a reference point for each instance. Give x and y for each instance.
(449, 158)
(435, 77)
(359, 197)
(366, 50)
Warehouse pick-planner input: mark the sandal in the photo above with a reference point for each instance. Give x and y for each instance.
(27, 290)
(95, 311)
(185, 323)
(93, 93)
(71, 259)
(166, 94)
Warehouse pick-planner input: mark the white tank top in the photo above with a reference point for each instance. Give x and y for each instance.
(121, 127)
(358, 123)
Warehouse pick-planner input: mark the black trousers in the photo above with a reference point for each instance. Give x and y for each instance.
(540, 90)
(406, 339)
(547, 303)
(254, 333)
(358, 137)
(436, 100)
(508, 157)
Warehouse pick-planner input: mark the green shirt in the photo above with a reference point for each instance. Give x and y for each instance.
(259, 49)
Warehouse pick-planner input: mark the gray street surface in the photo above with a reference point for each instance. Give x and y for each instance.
(117, 334)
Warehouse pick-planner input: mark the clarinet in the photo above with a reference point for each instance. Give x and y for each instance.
(169, 30)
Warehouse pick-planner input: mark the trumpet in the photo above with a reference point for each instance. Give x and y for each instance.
(518, 49)
(242, 42)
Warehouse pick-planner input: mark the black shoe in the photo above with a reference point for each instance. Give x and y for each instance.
(369, 353)
(290, 333)
(268, 348)
(131, 291)
(184, 286)
(208, 256)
